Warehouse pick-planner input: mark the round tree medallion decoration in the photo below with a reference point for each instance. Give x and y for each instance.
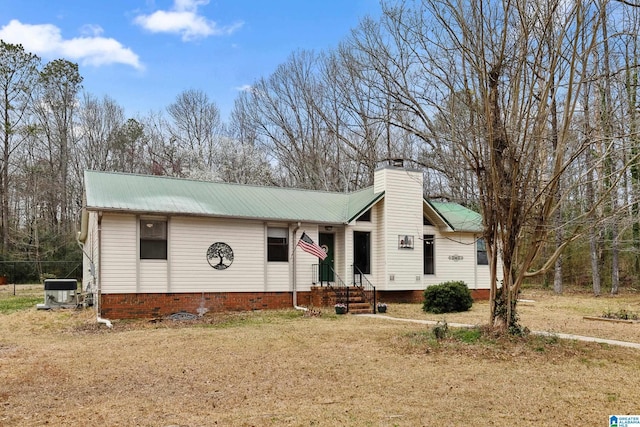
(220, 255)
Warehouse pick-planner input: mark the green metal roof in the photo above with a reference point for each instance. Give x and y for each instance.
(361, 201)
(458, 217)
(166, 195)
(111, 191)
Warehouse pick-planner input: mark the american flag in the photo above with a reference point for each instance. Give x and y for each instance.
(308, 246)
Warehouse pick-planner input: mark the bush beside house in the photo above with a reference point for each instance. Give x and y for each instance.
(447, 297)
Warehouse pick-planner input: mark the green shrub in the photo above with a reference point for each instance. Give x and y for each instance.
(447, 297)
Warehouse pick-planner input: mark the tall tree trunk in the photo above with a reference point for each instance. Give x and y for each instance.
(590, 190)
(6, 148)
(632, 101)
(611, 159)
(557, 219)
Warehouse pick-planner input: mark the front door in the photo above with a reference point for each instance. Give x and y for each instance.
(325, 240)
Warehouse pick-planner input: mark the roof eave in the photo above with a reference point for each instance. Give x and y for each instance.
(205, 215)
(442, 218)
(375, 200)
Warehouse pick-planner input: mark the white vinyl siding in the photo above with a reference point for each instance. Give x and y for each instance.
(455, 259)
(187, 268)
(119, 250)
(380, 266)
(402, 216)
(340, 263)
(153, 276)
(455, 255)
(189, 240)
(304, 261)
(90, 254)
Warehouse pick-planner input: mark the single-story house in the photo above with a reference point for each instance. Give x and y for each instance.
(155, 245)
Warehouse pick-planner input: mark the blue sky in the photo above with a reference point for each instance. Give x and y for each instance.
(143, 53)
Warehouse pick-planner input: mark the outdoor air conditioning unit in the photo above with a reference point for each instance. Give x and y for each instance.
(59, 293)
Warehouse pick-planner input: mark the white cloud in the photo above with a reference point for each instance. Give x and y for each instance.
(183, 19)
(189, 5)
(244, 88)
(91, 30)
(46, 40)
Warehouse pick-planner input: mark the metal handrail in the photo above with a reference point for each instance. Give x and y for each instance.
(316, 274)
(367, 288)
(338, 285)
(343, 296)
(341, 289)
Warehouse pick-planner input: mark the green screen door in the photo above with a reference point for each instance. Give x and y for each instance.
(325, 240)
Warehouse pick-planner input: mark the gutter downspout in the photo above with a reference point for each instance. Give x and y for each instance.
(84, 226)
(82, 238)
(99, 294)
(295, 285)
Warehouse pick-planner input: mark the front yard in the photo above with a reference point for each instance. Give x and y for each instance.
(282, 368)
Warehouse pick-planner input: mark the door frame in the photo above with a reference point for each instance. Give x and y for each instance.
(327, 242)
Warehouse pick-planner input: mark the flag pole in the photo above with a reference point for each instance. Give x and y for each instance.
(294, 282)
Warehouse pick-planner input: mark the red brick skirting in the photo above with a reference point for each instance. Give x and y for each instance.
(324, 297)
(480, 294)
(418, 296)
(141, 306)
(136, 306)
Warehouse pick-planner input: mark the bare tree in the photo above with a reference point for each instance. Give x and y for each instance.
(495, 60)
(99, 121)
(631, 66)
(164, 152)
(195, 127)
(282, 110)
(60, 83)
(18, 77)
(590, 181)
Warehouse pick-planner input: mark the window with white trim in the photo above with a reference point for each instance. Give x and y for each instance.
(153, 239)
(428, 254)
(362, 251)
(277, 244)
(481, 251)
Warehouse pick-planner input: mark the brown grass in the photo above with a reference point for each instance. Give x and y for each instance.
(551, 313)
(280, 368)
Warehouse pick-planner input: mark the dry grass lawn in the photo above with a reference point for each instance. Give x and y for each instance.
(280, 368)
(544, 311)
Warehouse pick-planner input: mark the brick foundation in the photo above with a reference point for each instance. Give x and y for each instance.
(417, 296)
(137, 306)
(141, 306)
(321, 297)
(324, 297)
(480, 294)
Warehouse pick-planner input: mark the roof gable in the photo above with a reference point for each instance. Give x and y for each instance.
(457, 217)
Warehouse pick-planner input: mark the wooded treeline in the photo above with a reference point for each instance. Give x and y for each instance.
(525, 111)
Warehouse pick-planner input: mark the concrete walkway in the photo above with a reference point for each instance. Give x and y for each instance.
(541, 333)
